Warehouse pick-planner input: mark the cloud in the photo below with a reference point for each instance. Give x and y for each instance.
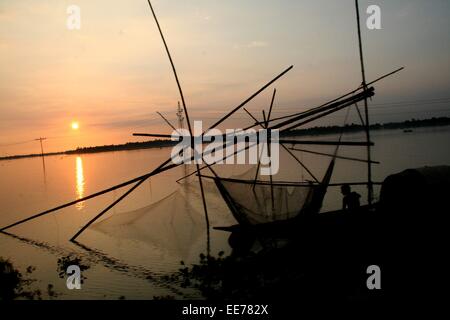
(257, 44)
(252, 44)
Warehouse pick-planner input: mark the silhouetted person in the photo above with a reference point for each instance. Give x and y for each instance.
(350, 201)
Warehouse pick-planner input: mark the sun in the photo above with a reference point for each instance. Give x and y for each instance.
(75, 125)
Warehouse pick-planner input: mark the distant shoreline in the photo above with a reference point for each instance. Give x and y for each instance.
(105, 148)
(405, 125)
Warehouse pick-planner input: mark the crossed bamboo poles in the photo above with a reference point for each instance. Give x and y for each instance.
(292, 120)
(139, 180)
(165, 166)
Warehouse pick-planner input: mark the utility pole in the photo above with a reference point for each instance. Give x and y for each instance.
(180, 116)
(42, 148)
(180, 126)
(42, 155)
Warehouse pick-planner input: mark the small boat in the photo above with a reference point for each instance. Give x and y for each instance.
(270, 210)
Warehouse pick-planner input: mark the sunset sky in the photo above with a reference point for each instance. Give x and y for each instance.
(112, 75)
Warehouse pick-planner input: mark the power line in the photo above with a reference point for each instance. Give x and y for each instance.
(15, 143)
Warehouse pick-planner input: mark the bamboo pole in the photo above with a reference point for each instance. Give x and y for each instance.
(107, 209)
(366, 109)
(190, 131)
(264, 127)
(290, 183)
(301, 163)
(305, 142)
(345, 102)
(359, 114)
(341, 97)
(162, 168)
(296, 114)
(316, 112)
(224, 158)
(167, 121)
(324, 113)
(271, 106)
(121, 185)
(180, 90)
(250, 98)
(154, 135)
(327, 143)
(332, 155)
(266, 121)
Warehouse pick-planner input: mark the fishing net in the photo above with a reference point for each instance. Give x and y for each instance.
(256, 202)
(173, 225)
(262, 202)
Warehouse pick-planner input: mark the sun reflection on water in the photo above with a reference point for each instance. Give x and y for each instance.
(80, 182)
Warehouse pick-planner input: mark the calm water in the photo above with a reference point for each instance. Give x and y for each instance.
(128, 256)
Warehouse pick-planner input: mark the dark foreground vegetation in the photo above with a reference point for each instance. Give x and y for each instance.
(15, 285)
(327, 257)
(324, 260)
